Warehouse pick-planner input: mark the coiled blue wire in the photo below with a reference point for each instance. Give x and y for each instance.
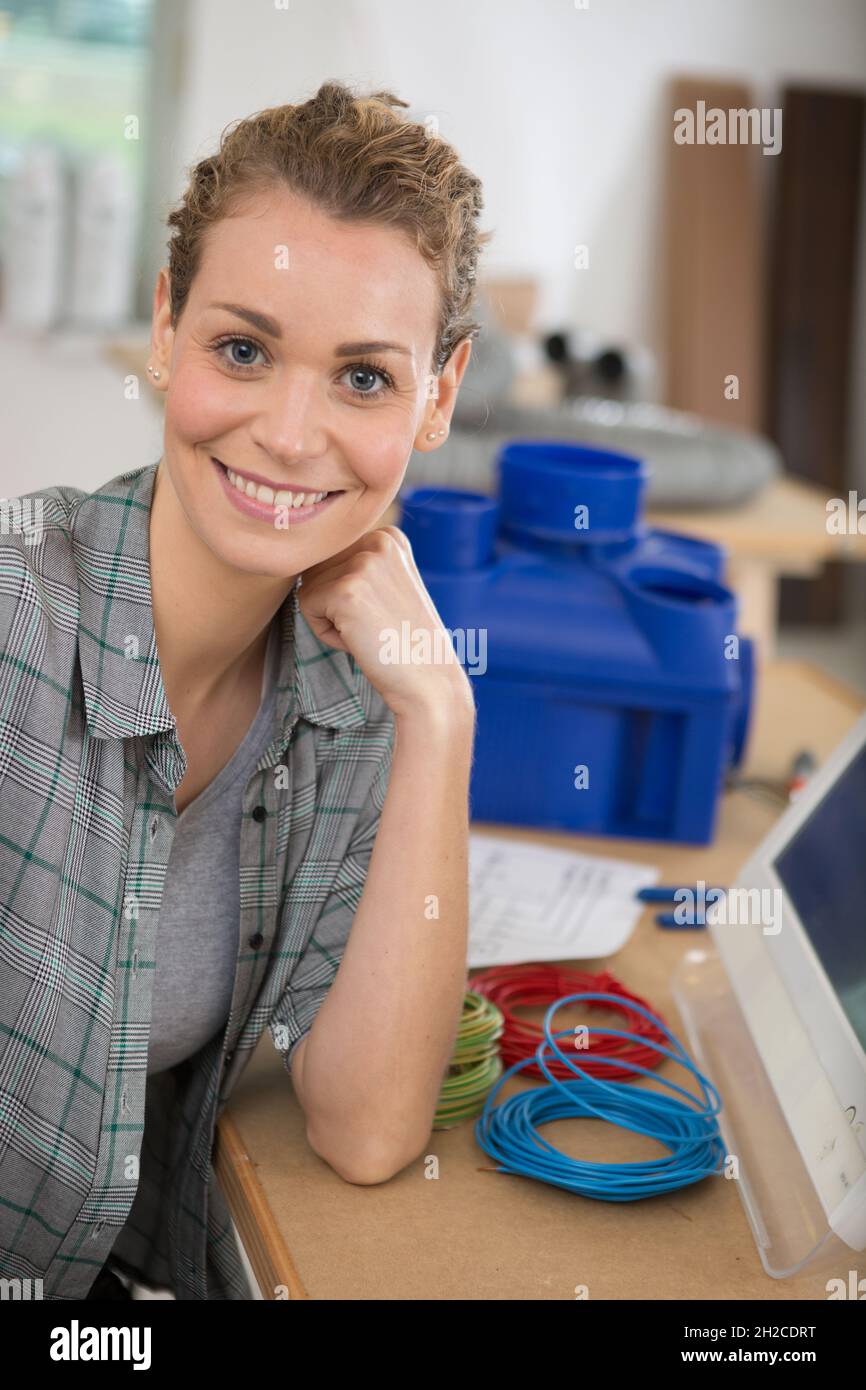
(508, 1132)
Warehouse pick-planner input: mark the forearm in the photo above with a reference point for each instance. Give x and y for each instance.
(375, 1057)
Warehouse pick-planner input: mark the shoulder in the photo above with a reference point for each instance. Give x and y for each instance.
(39, 615)
(46, 536)
(31, 516)
(61, 547)
(37, 566)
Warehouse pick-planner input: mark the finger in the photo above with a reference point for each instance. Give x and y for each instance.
(366, 542)
(327, 633)
(347, 561)
(399, 536)
(323, 579)
(320, 599)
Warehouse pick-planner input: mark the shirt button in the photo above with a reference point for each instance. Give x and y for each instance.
(256, 940)
(259, 813)
(229, 1057)
(154, 826)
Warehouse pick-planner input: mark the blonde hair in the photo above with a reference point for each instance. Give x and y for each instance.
(356, 159)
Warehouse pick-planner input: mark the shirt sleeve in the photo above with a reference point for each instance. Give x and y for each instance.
(314, 974)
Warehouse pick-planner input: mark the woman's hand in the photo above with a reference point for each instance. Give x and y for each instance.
(370, 601)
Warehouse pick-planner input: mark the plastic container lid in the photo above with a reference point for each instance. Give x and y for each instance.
(556, 491)
(449, 529)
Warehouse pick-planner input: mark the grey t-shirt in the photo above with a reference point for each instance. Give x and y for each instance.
(199, 917)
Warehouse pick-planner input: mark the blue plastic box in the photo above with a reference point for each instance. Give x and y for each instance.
(612, 689)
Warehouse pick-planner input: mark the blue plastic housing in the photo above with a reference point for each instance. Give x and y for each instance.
(612, 690)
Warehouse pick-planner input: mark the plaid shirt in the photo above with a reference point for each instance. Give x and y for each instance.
(89, 762)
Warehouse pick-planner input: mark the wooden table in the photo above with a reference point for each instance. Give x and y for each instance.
(474, 1233)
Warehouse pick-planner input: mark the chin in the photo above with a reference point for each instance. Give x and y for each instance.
(268, 560)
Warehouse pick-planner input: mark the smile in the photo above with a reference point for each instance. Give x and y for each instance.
(256, 499)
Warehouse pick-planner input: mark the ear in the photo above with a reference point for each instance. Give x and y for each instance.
(440, 406)
(161, 332)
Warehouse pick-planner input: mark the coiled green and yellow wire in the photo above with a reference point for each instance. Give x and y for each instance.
(475, 1063)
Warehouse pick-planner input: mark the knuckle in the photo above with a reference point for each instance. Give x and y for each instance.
(396, 537)
(348, 586)
(378, 540)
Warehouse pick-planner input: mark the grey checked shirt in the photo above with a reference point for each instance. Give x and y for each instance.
(97, 1158)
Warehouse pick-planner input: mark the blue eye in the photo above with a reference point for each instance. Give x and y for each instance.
(369, 369)
(236, 342)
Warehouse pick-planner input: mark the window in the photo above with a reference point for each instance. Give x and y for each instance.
(75, 74)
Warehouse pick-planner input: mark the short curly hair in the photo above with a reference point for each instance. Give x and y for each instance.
(356, 159)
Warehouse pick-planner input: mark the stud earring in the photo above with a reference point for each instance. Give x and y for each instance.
(154, 374)
(434, 434)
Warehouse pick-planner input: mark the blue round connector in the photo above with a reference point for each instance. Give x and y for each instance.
(449, 529)
(553, 491)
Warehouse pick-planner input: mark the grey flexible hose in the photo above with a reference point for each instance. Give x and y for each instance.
(694, 464)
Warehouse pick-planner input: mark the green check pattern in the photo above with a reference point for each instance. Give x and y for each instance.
(89, 763)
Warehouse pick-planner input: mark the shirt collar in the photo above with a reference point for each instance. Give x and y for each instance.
(124, 694)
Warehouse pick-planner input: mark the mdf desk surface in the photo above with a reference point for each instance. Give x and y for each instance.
(475, 1233)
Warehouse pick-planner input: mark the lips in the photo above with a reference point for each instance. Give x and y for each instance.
(273, 513)
(274, 486)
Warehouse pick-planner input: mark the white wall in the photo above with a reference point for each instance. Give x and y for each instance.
(66, 417)
(559, 110)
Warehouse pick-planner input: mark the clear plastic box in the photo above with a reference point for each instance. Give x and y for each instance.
(784, 1211)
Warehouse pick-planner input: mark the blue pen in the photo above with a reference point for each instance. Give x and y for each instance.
(668, 894)
(669, 919)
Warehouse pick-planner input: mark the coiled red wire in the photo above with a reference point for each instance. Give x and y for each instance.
(514, 986)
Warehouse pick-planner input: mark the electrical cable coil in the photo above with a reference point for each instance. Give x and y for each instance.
(475, 1063)
(513, 986)
(509, 1132)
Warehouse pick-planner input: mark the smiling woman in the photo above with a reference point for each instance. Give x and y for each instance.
(252, 783)
(310, 330)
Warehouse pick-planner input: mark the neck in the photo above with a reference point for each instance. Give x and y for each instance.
(211, 621)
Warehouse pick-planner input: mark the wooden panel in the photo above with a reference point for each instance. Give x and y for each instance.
(513, 303)
(810, 342)
(715, 265)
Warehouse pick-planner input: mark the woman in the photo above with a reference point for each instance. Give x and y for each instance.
(203, 749)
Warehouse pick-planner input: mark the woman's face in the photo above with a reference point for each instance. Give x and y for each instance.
(267, 375)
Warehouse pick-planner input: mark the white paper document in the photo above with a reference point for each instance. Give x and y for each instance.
(530, 902)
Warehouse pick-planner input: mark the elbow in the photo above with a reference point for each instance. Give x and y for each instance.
(364, 1164)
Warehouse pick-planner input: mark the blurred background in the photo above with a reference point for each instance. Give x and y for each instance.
(702, 306)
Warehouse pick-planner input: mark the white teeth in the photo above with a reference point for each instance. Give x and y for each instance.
(275, 499)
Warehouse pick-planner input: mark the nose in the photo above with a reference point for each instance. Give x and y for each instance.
(288, 424)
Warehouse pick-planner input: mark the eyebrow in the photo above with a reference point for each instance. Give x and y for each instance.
(265, 324)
